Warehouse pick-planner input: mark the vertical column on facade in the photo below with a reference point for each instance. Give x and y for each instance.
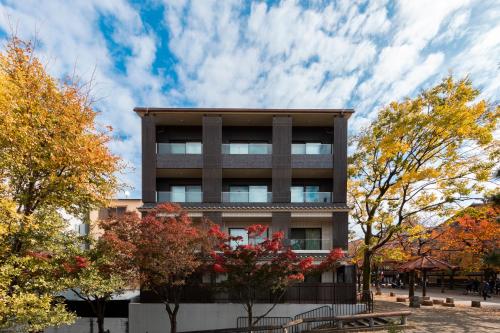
(282, 170)
(148, 159)
(212, 159)
(214, 217)
(340, 228)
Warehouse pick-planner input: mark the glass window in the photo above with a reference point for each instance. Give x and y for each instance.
(178, 194)
(238, 232)
(238, 194)
(312, 193)
(305, 238)
(257, 194)
(298, 148)
(257, 148)
(242, 232)
(297, 194)
(238, 148)
(178, 148)
(193, 193)
(313, 148)
(193, 147)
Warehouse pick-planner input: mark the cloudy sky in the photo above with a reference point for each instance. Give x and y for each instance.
(345, 54)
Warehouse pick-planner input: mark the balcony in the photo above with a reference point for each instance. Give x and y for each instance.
(311, 196)
(179, 196)
(247, 197)
(309, 244)
(247, 149)
(311, 149)
(184, 148)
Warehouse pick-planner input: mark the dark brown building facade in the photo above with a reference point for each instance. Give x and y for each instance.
(285, 168)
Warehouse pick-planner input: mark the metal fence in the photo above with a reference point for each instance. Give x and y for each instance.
(324, 311)
(304, 293)
(242, 322)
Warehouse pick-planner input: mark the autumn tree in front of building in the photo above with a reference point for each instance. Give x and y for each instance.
(263, 266)
(166, 248)
(53, 159)
(421, 155)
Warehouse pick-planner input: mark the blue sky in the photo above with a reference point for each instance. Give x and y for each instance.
(332, 54)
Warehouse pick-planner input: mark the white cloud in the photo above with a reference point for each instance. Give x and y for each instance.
(69, 36)
(238, 54)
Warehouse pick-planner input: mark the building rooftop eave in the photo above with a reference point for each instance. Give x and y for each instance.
(145, 110)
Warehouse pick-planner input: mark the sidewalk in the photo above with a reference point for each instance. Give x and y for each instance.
(458, 295)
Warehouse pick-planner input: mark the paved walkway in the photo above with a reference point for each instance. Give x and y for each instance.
(442, 319)
(458, 295)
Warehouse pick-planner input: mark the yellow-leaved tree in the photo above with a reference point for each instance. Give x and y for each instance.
(422, 155)
(53, 159)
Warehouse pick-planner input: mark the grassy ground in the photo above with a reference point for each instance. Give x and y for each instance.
(441, 319)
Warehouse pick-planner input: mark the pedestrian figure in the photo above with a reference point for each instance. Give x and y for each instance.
(485, 289)
(475, 285)
(468, 286)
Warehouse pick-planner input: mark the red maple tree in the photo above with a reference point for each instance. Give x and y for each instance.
(256, 267)
(168, 251)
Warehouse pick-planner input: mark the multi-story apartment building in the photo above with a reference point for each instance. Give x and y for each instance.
(285, 168)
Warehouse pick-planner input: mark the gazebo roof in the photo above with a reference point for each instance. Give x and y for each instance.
(426, 263)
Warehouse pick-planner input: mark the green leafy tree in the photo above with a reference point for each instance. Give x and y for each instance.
(104, 268)
(421, 155)
(53, 158)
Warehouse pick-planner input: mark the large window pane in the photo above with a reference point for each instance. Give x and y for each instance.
(298, 148)
(238, 232)
(238, 194)
(238, 148)
(313, 239)
(178, 148)
(257, 148)
(193, 193)
(193, 148)
(297, 194)
(178, 194)
(312, 194)
(313, 148)
(258, 194)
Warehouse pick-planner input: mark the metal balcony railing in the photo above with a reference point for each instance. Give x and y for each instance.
(311, 149)
(247, 148)
(310, 244)
(247, 197)
(162, 196)
(184, 148)
(311, 197)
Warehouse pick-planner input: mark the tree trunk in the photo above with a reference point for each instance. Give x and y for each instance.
(424, 283)
(173, 324)
(250, 316)
(172, 315)
(100, 323)
(367, 271)
(411, 284)
(442, 282)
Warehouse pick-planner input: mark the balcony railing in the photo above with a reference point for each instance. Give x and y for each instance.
(310, 244)
(187, 148)
(246, 197)
(247, 148)
(179, 197)
(311, 149)
(311, 197)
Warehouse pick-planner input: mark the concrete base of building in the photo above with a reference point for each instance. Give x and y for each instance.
(153, 318)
